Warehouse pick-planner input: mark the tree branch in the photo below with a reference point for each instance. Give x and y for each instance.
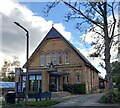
(50, 6)
(113, 30)
(73, 8)
(98, 33)
(116, 35)
(95, 8)
(100, 7)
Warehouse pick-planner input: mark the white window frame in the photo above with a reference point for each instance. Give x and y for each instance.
(60, 58)
(66, 57)
(42, 60)
(54, 58)
(48, 58)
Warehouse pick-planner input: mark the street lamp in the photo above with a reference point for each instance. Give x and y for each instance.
(119, 32)
(27, 64)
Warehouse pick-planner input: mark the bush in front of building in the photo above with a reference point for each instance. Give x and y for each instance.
(118, 83)
(110, 97)
(79, 88)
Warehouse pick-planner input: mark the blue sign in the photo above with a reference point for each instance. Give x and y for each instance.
(19, 87)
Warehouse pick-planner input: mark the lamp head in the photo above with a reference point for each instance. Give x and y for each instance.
(17, 23)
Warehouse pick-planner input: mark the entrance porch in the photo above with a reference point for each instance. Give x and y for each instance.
(56, 80)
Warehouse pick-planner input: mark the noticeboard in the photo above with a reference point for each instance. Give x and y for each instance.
(19, 87)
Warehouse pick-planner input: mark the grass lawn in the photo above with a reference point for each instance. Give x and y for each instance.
(34, 103)
(38, 103)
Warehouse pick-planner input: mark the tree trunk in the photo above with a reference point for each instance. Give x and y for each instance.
(107, 50)
(108, 66)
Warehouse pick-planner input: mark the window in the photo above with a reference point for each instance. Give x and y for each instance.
(38, 83)
(32, 82)
(60, 58)
(23, 78)
(66, 57)
(35, 83)
(32, 77)
(54, 58)
(42, 59)
(48, 58)
(78, 78)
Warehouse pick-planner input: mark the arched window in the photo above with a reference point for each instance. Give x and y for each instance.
(66, 57)
(48, 58)
(42, 59)
(54, 58)
(78, 78)
(60, 58)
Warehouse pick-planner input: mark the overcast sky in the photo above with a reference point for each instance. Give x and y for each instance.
(13, 38)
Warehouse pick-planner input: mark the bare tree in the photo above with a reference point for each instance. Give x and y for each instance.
(101, 18)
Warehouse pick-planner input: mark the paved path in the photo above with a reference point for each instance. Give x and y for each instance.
(84, 100)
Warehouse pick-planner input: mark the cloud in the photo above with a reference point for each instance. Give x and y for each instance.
(13, 37)
(61, 29)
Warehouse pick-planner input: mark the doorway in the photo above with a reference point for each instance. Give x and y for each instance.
(54, 83)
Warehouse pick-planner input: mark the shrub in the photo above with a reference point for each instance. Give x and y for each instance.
(118, 86)
(118, 83)
(110, 97)
(79, 88)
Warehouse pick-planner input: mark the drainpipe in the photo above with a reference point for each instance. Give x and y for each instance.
(91, 81)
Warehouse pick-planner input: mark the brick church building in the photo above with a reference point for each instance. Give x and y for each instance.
(56, 62)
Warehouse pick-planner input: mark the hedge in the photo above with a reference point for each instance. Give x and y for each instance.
(79, 88)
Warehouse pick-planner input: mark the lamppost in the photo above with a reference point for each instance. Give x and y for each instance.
(27, 64)
(119, 31)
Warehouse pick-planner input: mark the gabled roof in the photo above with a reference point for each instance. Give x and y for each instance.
(53, 33)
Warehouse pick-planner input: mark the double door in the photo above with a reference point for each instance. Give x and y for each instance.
(54, 84)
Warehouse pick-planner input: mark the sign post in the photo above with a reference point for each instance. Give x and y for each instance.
(18, 83)
(18, 90)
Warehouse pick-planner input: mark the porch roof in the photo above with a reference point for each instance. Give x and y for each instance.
(31, 73)
(58, 73)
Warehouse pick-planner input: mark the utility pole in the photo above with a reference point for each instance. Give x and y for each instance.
(27, 64)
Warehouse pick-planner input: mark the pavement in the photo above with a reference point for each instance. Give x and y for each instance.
(85, 100)
(82, 101)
